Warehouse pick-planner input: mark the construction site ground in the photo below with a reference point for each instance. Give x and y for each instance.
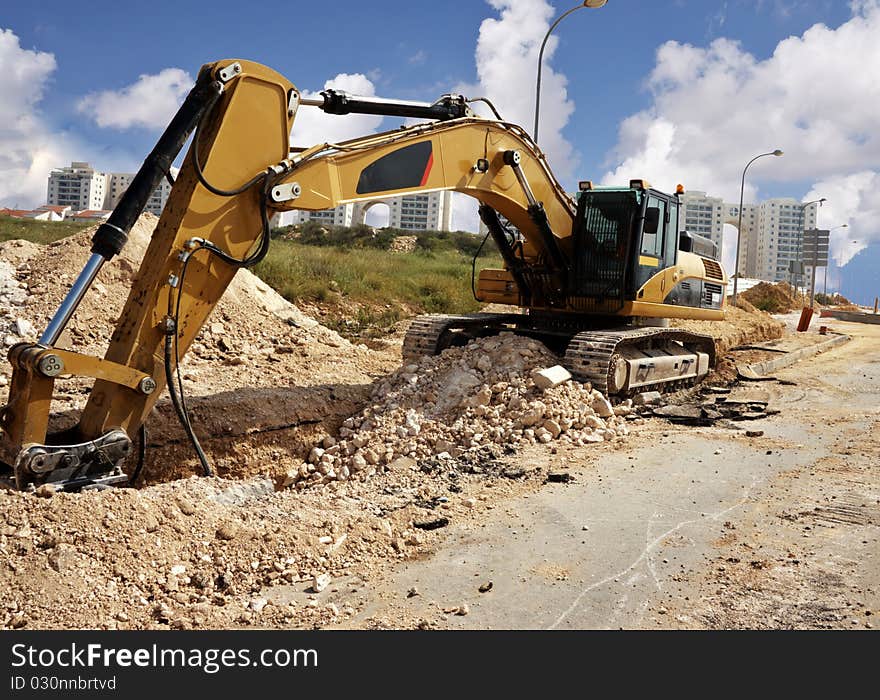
(354, 492)
(684, 527)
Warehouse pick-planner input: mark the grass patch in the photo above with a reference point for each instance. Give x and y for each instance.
(427, 281)
(42, 232)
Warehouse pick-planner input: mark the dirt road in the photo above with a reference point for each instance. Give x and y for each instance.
(684, 528)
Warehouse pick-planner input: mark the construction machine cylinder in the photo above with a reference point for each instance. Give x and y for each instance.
(112, 235)
(71, 301)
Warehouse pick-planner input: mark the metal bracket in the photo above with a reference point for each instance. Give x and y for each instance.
(69, 467)
(286, 192)
(514, 159)
(293, 103)
(228, 73)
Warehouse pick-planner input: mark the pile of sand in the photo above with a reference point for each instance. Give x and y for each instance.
(776, 298)
(259, 365)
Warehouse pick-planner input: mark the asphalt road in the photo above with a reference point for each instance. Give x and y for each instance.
(684, 527)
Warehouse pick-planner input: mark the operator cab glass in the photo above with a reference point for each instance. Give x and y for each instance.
(602, 233)
(622, 238)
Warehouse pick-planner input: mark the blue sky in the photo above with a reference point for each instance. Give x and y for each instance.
(413, 50)
(671, 90)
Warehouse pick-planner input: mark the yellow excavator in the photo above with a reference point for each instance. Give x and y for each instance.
(595, 279)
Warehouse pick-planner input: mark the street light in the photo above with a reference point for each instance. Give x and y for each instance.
(804, 206)
(585, 3)
(777, 152)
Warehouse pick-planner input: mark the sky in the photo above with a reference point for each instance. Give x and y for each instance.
(669, 90)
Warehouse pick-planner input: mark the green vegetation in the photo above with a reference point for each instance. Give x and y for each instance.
(354, 269)
(42, 232)
(352, 272)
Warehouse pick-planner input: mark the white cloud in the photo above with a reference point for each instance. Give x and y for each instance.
(507, 64)
(29, 148)
(852, 200)
(150, 102)
(816, 98)
(313, 126)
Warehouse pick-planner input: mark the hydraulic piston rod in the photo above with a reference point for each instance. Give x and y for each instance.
(71, 301)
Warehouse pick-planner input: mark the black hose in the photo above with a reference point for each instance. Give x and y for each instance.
(170, 333)
(474, 267)
(142, 453)
(487, 101)
(198, 166)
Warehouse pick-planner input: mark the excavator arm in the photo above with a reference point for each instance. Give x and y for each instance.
(238, 171)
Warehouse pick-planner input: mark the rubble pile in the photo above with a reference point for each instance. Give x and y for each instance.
(13, 295)
(494, 391)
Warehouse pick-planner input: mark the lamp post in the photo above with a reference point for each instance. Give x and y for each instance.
(585, 3)
(777, 152)
(825, 283)
(804, 206)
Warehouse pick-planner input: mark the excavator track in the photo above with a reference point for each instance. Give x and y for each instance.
(428, 335)
(591, 355)
(595, 356)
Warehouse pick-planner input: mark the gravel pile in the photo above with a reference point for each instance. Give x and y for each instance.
(464, 399)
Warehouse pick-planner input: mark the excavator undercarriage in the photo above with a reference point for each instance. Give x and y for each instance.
(622, 360)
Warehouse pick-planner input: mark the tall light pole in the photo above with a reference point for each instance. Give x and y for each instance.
(825, 283)
(742, 188)
(804, 206)
(585, 3)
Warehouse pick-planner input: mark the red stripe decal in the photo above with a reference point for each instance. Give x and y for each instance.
(427, 169)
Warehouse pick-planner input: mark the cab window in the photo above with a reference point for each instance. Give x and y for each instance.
(652, 243)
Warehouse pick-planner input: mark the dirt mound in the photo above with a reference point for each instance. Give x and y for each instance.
(207, 553)
(259, 365)
(776, 298)
(739, 327)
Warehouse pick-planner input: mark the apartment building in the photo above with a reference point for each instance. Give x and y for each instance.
(81, 187)
(428, 211)
(431, 211)
(771, 236)
(702, 215)
(778, 239)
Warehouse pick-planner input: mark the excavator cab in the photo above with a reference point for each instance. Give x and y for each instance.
(622, 237)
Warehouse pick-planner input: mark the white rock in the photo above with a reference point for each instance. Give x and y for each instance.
(550, 377)
(534, 414)
(601, 406)
(23, 327)
(320, 582)
(553, 428)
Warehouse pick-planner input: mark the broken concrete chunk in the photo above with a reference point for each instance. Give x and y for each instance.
(320, 582)
(679, 412)
(602, 407)
(550, 377)
(647, 398)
